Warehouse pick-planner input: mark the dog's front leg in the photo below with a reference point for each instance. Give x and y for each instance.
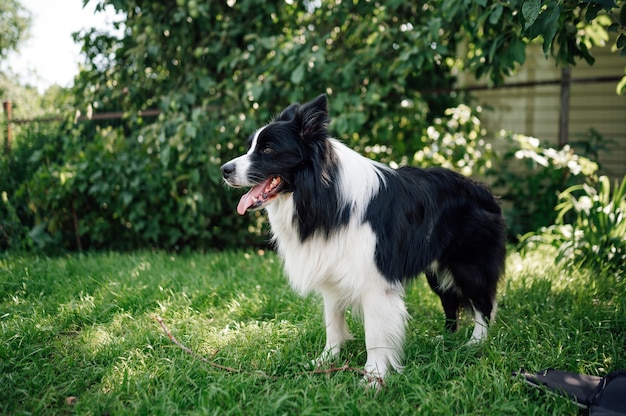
(384, 316)
(337, 332)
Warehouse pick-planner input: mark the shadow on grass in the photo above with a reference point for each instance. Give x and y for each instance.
(83, 327)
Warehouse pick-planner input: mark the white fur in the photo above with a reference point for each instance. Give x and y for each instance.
(358, 190)
(480, 328)
(240, 177)
(444, 278)
(342, 268)
(255, 139)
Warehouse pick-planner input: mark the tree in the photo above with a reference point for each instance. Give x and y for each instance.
(14, 25)
(497, 32)
(219, 69)
(389, 61)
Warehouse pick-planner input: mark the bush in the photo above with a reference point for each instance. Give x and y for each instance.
(529, 177)
(39, 144)
(79, 187)
(456, 141)
(136, 184)
(590, 227)
(92, 186)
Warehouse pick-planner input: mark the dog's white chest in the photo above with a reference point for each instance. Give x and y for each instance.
(344, 260)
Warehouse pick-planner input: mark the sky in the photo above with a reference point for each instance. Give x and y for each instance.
(50, 56)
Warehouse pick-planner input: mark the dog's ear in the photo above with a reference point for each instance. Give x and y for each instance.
(314, 118)
(288, 113)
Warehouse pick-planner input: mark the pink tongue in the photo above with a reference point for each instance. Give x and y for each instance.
(247, 200)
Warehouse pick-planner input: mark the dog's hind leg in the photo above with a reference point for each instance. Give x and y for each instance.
(337, 332)
(480, 294)
(484, 313)
(449, 300)
(480, 327)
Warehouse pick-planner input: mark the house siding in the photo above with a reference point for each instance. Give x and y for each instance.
(535, 111)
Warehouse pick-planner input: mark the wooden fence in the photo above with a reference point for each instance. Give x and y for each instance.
(10, 121)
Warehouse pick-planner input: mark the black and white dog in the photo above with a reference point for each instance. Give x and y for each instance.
(355, 230)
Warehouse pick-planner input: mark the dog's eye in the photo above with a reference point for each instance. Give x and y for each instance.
(267, 150)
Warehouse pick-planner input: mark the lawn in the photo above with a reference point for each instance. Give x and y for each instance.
(81, 334)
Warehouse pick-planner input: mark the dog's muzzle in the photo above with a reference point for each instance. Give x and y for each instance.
(228, 170)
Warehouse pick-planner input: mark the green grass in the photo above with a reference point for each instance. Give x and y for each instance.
(83, 327)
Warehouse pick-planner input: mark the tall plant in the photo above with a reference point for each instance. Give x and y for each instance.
(590, 227)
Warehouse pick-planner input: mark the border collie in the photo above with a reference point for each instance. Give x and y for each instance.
(355, 230)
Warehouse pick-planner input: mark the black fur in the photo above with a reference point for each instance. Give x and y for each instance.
(419, 216)
(427, 215)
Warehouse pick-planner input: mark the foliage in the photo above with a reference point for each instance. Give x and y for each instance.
(242, 62)
(29, 103)
(456, 141)
(116, 193)
(591, 144)
(497, 32)
(14, 24)
(218, 70)
(40, 144)
(590, 228)
(529, 176)
(13, 233)
(35, 146)
(78, 335)
(80, 187)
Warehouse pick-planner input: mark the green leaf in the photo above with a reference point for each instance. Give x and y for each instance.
(190, 130)
(545, 25)
(550, 25)
(127, 198)
(530, 11)
(605, 4)
(298, 74)
(592, 11)
(494, 17)
(517, 51)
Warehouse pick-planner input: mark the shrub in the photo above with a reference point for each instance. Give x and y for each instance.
(87, 186)
(39, 144)
(590, 228)
(93, 186)
(456, 141)
(529, 177)
(136, 184)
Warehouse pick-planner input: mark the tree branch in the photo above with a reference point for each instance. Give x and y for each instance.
(190, 351)
(369, 378)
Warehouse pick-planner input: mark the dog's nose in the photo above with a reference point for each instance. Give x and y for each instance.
(227, 170)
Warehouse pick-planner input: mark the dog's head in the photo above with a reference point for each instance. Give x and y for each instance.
(279, 153)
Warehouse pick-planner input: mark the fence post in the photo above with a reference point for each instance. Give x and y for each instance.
(566, 86)
(7, 112)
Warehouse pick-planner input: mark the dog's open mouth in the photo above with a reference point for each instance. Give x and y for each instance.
(259, 195)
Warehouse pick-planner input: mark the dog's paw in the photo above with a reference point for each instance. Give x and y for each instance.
(474, 342)
(374, 375)
(373, 381)
(326, 357)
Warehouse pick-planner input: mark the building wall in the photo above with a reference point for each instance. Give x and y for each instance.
(534, 110)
